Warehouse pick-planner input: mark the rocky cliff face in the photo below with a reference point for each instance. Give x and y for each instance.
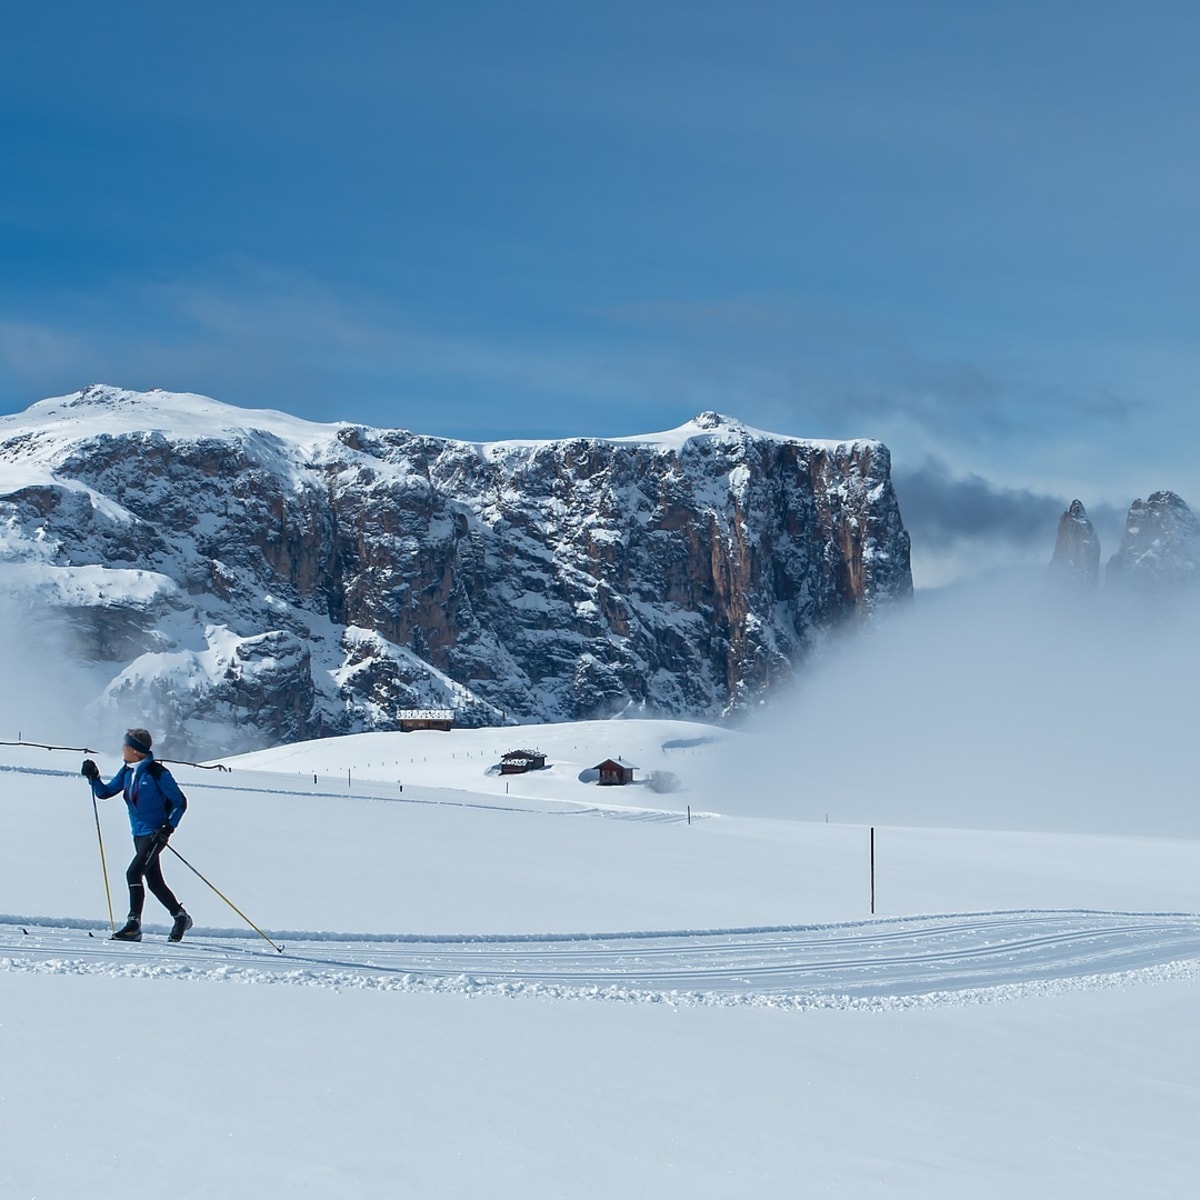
(1159, 551)
(1076, 558)
(250, 578)
(1160, 547)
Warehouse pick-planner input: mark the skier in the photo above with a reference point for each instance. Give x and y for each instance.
(156, 806)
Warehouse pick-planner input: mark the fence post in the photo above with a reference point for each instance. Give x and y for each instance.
(872, 870)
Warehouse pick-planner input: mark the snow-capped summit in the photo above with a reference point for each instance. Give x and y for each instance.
(244, 576)
(1160, 546)
(105, 409)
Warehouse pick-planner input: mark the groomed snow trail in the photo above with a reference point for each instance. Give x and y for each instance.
(929, 959)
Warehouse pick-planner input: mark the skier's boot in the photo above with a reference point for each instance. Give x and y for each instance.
(131, 931)
(182, 924)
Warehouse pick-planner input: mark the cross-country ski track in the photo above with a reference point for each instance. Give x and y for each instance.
(953, 958)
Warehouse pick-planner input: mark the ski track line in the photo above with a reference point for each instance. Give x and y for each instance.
(953, 958)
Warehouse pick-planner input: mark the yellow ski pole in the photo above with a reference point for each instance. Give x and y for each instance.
(112, 925)
(224, 897)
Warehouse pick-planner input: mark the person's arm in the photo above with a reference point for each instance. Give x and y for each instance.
(100, 789)
(174, 798)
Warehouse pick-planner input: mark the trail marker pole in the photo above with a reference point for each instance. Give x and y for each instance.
(872, 870)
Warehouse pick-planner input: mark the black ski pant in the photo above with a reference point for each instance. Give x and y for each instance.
(146, 866)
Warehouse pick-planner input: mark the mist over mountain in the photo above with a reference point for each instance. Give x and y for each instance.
(999, 705)
(241, 578)
(1059, 698)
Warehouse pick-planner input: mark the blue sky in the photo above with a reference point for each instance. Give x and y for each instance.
(967, 229)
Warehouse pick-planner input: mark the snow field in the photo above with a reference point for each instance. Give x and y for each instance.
(429, 1033)
(246, 1091)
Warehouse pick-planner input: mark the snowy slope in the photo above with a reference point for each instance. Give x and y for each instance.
(553, 989)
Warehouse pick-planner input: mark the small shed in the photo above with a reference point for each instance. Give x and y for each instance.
(614, 773)
(426, 718)
(517, 762)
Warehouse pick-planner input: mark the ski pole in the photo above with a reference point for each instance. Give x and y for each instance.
(112, 925)
(225, 898)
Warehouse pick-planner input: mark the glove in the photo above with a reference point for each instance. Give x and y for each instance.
(89, 770)
(163, 833)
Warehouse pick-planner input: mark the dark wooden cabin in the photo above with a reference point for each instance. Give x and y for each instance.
(426, 718)
(517, 762)
(614, 773)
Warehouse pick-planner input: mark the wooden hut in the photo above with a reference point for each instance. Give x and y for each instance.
(614, 773)
(426, 718)
(517, 762)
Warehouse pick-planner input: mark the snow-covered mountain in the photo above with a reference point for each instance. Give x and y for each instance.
(1159, 550)
(245, 578)
(1160, 546)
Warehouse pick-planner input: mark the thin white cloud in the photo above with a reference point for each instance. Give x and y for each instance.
(275, 338)
(259, 336)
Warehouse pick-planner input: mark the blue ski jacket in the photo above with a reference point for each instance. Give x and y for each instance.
(152, 802)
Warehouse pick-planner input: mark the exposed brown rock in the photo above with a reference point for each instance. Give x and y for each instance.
(1076, 559)
(685, 575)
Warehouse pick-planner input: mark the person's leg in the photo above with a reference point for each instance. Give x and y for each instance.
(144, 849)
(158, 885)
